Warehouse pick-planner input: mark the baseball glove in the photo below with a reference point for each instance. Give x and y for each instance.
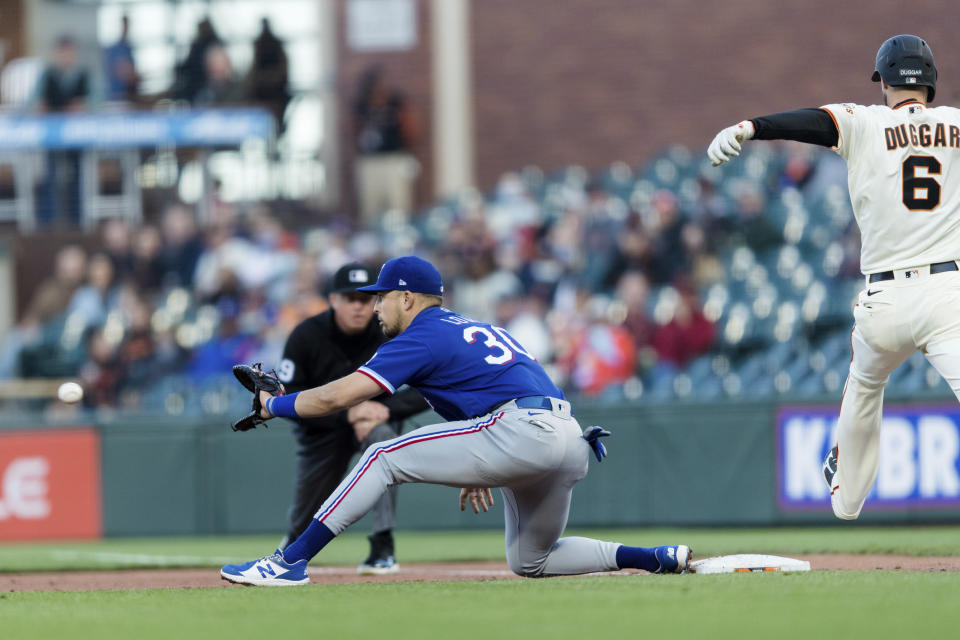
(255, 380)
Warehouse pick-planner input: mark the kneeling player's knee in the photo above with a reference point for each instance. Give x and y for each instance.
(528, 571)
(529, 568)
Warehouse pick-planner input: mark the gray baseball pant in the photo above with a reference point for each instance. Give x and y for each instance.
(321, 466)
(534, 457)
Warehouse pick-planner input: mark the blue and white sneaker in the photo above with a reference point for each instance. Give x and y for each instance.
(269, 571)
(673, 558)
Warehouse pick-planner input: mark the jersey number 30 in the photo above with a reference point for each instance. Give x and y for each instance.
(921, 193)
(504, 348)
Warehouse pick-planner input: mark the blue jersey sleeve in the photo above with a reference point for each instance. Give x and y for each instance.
(402, 360)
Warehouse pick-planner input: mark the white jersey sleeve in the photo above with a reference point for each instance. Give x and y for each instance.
(904, 179)
(849, 125)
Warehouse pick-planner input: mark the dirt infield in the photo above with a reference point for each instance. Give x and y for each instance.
(194, 578)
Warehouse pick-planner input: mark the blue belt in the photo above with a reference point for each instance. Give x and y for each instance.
(536, 402)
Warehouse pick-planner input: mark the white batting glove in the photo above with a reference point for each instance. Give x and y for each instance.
(726, 144)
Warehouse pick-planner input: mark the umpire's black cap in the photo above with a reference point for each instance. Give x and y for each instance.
(351, 277)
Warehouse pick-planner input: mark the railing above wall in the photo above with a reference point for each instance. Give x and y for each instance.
(25, 139)
(135, 129)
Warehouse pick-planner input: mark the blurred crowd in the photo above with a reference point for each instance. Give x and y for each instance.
(383, 124)
(577, 267)
(205, 76)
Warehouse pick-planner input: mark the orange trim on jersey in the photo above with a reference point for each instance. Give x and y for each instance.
(906, 103)
(837, 125)
(842, 397)
(844, 394)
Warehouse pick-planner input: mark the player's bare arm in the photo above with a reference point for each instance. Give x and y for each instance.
(329, 398)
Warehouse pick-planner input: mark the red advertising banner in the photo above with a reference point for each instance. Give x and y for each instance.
(50, 484)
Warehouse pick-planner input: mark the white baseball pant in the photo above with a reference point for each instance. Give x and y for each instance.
(893, 319)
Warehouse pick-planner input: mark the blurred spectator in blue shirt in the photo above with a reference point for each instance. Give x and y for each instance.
(228, 347)
(121, 72)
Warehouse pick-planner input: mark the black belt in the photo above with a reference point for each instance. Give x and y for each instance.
(939, 267)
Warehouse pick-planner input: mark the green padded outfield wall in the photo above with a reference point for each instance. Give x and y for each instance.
(668, 464)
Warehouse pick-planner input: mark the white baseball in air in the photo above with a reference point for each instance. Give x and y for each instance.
(70, 392)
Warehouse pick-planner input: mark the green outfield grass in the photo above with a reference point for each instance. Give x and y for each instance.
(875, 605)
(414, 546)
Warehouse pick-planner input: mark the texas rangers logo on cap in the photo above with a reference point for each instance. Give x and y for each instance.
(407, 273)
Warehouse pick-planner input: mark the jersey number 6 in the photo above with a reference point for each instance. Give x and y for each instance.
(505, 352)
(927, 186)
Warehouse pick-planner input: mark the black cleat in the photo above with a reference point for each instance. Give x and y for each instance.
(381, 560)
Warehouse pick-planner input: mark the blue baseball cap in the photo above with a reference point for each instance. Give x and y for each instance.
(408, 273)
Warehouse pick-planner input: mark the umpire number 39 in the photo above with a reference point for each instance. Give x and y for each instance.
(920, 191)
(504, 349)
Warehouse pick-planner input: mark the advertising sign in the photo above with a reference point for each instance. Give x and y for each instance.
(50, 484)
(919, 457)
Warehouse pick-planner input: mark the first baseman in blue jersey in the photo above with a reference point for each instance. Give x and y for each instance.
(509, 428)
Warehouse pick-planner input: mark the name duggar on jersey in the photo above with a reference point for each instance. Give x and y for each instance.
(922, 136)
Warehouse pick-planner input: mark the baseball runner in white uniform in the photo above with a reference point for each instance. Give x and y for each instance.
(903, 160)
